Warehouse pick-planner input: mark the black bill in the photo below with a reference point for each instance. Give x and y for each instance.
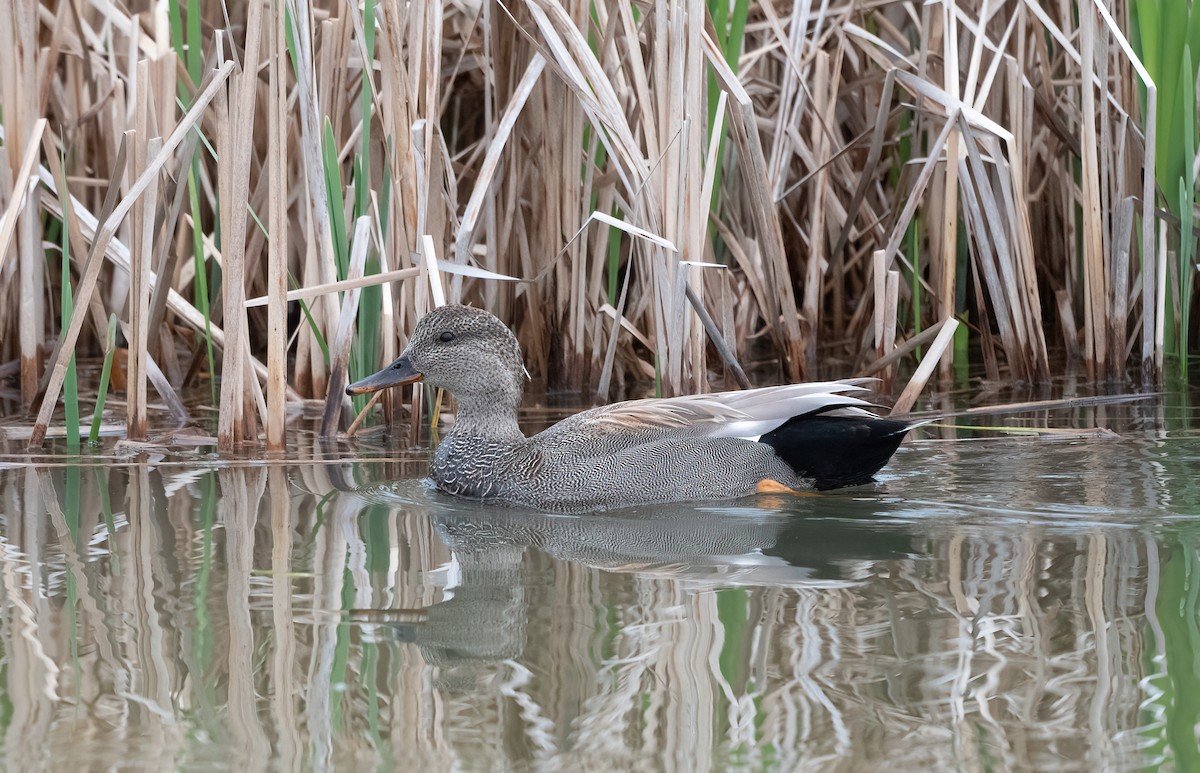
(398, 373)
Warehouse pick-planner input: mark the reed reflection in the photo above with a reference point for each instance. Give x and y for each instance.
(289, 616)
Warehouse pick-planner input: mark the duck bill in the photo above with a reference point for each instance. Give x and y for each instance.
(399, 373)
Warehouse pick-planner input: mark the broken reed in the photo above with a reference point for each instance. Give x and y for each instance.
(659, 177)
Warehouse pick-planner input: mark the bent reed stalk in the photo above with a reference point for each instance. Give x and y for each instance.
(649, 172)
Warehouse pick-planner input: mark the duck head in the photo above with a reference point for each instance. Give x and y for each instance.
(464, 350)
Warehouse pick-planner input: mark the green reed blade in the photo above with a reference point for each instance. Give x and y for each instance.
(175, 22)
(385, 195)
(195, 57)
(71, 514)
(1166, 33)
(333, 190)
(189, 53)
(364, 349)
(200, 283)
(731, 47)
(341, 650)
(614, 257)
(110, 523)
(289, 37)
(1187, 271)
(110, 348)
(733, 613)
(1148, 26)
(1177, 612)
(312, 323)
(370, 677)
(67, 304)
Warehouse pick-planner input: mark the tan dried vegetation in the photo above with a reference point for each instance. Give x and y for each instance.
(674, 186)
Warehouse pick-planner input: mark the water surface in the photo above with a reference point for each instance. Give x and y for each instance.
(1000, 604)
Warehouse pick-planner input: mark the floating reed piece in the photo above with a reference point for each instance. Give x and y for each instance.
(1002, 157)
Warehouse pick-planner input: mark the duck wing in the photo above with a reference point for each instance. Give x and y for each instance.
(740, 414)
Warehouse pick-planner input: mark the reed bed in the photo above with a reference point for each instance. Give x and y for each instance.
(648, 193)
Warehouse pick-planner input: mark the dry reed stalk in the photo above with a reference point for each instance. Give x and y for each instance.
(491, 161)
(921, 375)
(78, 244)
(242, 492)
(903, 350)
(1160, 294)
(20, 93)
(891, 312)
(357, 283)
(20, 188)
(397, 114)
(947, 252)
(1070, 329)
(432, 267)
(824, 91)
(277, 171)
(141, 236)
(362, 415)
(1096, 291)
(319, 264)
(139, 289)
(783, 313)
(167, 259)
(1119, 339)
(233, 179)
(154, 376)
(340, 353)
(231, 191)
(32, 304)
(728, 356)
(285, 698)
(879, 279)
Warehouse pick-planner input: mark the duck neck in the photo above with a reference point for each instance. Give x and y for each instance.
(489, 416)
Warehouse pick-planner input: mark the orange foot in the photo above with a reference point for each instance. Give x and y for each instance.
(769, 486)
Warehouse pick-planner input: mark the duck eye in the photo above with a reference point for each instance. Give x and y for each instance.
(446, 337)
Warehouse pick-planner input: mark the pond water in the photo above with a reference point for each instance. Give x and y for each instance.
(991, 603)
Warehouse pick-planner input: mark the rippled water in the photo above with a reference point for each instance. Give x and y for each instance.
(1002, 604)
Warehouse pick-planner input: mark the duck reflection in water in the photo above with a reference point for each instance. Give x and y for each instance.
(493, 581)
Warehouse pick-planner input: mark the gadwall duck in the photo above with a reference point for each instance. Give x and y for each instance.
(699, 447)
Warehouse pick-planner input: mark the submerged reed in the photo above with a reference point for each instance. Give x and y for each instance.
(652, 173)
